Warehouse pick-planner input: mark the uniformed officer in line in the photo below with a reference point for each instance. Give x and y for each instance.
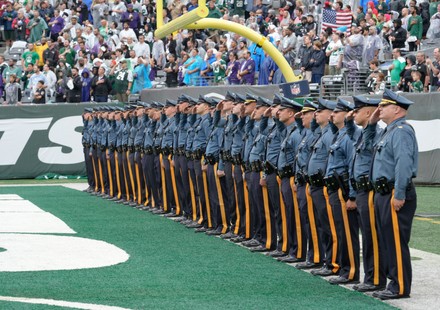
(242, 216)
(111, 148)
(201, 134)
(193, 120)
(250, 133)
(148, 161)
(218, 200)
(291, 138)
(305, 203)
(125, 155)
(102, 148)
(171, 204)
(269, 178)
(372, 256)
(180, 159)
(316, 169)
(395, 160)
(87, 123)
(340, 191)
(265, 231)
(119, 169)
(141, 191)
(225, 164)
(131, 156)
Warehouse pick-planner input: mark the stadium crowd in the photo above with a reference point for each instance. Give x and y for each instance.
(79, 50)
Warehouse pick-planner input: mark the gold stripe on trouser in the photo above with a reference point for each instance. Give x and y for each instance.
(201, 218)
(173, 183)
(130, 172)
(138, 180)
(333, 230)
(126, 181)
(247, 210)
(193, 199)
(220, 201)
(374, 238)
(267, 215)
(237, 209)
(147, 197)
(396, 231)
(208, 206)
(299, 252)
(101, 176)
(118, 181)
(95, 174)
(109, 173)
(312, 224)
(164, 188)
(347, 236)
(283, 219)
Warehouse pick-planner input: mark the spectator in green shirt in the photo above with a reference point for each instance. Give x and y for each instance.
(416, 86)
(214, 12)
(397, 66)
(415, 29)
(30, 56)
(68, 53)
(219, 68)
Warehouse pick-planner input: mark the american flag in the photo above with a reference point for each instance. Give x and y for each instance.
(333, 19)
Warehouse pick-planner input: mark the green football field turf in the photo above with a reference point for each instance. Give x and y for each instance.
(170, 267)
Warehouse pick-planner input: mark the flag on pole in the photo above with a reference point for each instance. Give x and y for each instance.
(335, 19)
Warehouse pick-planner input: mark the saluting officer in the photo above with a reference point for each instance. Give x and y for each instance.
(395, 161)
(111, 147)
(86, 136)
(292, 136)
(314, 256)
(372, 256)
(316, 169)
(341, 194)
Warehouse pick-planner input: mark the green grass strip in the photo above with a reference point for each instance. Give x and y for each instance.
(170, 267)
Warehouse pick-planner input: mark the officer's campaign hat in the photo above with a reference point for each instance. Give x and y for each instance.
(324, 104)
(287, 103)
(239, 98)
(390, 97)
(362, 101)
(250, 98)
(214, 101)
(203, 99)
(170, 103)
(192, 101)
(182, 98)
(230, 96)
(277, 99)
(263, 102)
(153, 105)
(159, 105)
(343, 105)
(88, 110)
(309, 106)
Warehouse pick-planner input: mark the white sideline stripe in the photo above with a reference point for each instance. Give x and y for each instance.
(10, 197)
(61, 303)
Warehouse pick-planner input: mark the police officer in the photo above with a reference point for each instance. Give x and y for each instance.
(87, 123)
(307, 211)
(374, 278)
(316, 169)
(292, 136)
(340, 192)
(110, 157)
(142, 120)
(394, 166)
(119, 168)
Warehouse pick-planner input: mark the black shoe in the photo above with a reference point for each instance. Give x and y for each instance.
(88, 189)
(228, 235)
(342, 280)
(387, 294)
(238, 239)
(171, 214)
(185, 222)
(213, 232)
(276, 254)
(159, 211)
(260, 248)
(194, 225)
(120, 201)
(366, 287)
(180, 219)
(251, 243)
(114, 199)
(308, 265)
(323, 272)
(289, 259)
(201, 229)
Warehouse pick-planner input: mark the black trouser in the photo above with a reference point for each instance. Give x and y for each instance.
(255, 198)
(394, 231)
(167, 186)
(372, 255)
(273, 191)
(140, 178)
(238, 218)
(89, 167)
(217, 199)
(149, 174)
(132, 174)
(128, 176)
(154, 179)
(296, 239)
(120, 176)
(202, 187)
(347, 230)
(182, 183)
(326, 227)
(111, 174)
(308, 216)
(102, 168)
(194, 191)
(230, 195)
